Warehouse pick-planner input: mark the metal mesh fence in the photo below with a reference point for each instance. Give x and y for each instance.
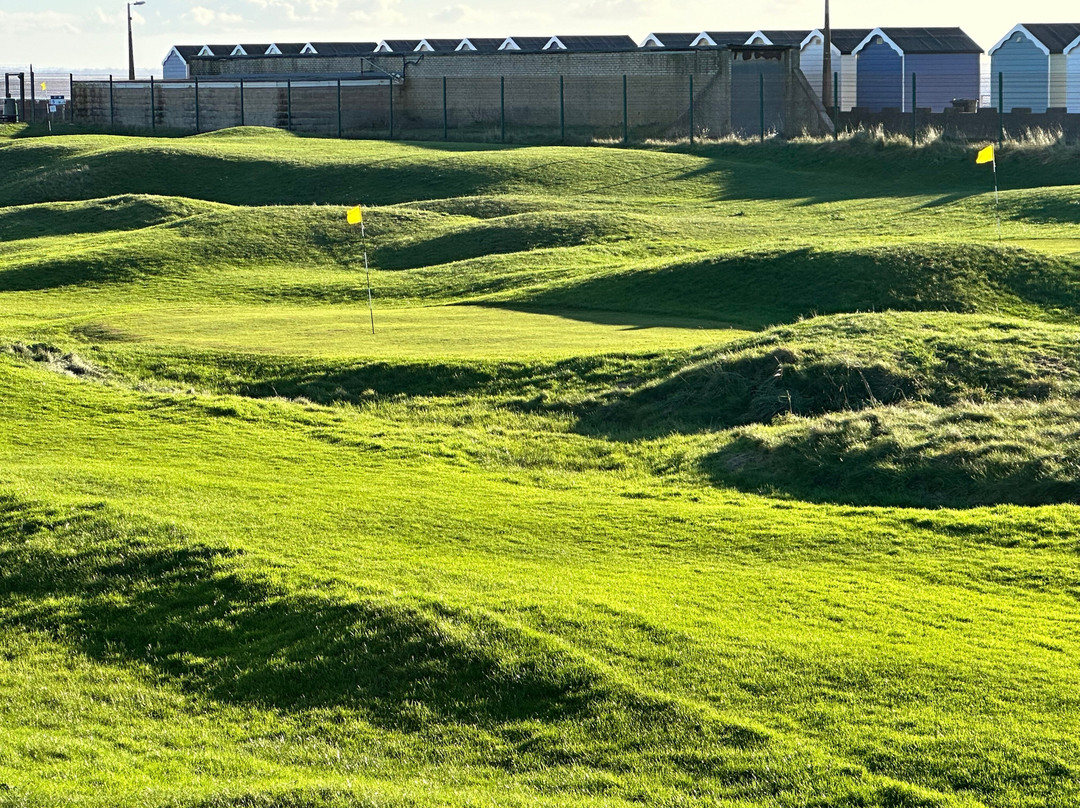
(44, 94)
(754, 98)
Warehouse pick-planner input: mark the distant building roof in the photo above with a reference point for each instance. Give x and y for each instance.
(286, 48)
(845, 40)
(482, 45)
(186, 51)
(669, 41)
(594, 44)
(721, 38)
(249, 50)
(216, 50)
(397, 45)
(437, 45)
(780, 37)
(925, 40)
(339, 48)
(524, 43)
(1054, 37)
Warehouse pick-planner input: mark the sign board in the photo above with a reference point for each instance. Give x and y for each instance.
(55, 102)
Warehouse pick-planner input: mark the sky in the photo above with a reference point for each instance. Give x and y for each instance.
(89, 34)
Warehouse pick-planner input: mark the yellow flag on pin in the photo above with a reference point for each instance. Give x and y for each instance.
(985, 155)
(355, 215)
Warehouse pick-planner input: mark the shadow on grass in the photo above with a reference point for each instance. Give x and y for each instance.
(325, 382)
(194, 615)
(753, 291)
(511, 234)
(186, 611)
(115, 214)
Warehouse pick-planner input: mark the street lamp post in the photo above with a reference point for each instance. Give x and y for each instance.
(131, 49)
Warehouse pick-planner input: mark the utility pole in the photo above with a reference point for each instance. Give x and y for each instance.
(826, 63)
(131, 48)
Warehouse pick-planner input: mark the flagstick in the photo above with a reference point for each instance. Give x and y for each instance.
(997, 206)
(367, 272)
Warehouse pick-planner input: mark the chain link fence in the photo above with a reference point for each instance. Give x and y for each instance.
(42, 95)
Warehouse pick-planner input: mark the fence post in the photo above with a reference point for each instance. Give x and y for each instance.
(288, 105)
(691, 109)
(112, 107)
(1001, 108)
(914, 112)
(562, 111)
(153, 115)
(625, 114)
(241, 102)
(761, 104)
(391, 86)
(33, 100)
(339, 109)
(71, 102)
(836, 106)
(502, 106)
(198, 125)
(445, 114)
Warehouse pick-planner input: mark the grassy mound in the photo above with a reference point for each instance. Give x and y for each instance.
(1022, 453)
(557, 533)
(756, 290)
(848, 362)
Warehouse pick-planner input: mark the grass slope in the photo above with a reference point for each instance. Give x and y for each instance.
(738, 476)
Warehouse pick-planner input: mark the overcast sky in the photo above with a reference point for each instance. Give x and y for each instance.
(86, 34)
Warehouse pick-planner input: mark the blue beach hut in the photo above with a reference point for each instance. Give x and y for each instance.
(945, 62)
(1033, 63)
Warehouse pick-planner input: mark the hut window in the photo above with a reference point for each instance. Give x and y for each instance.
(879, 41)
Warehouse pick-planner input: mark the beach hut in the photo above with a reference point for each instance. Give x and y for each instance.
(1072, 75)
(945, 62)
(1033, 66)
(844, 61)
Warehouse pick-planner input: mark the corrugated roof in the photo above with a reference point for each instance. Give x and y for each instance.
(932, 40)
(598, 44)
(724, 38)
(1056, 36)
(343, 48)
(484, 44)
(847, 39)
(530, 43)
(441, 45)
(187, 51)
(401, 45)
(290, 48)
(787, 37)
(675, 41)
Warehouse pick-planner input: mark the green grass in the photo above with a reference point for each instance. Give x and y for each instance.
(740, 476)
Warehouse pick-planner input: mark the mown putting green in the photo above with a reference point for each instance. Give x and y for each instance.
(745, 476)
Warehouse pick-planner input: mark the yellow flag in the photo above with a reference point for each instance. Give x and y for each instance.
(43, 86)
(986, 155)
(355, 215)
